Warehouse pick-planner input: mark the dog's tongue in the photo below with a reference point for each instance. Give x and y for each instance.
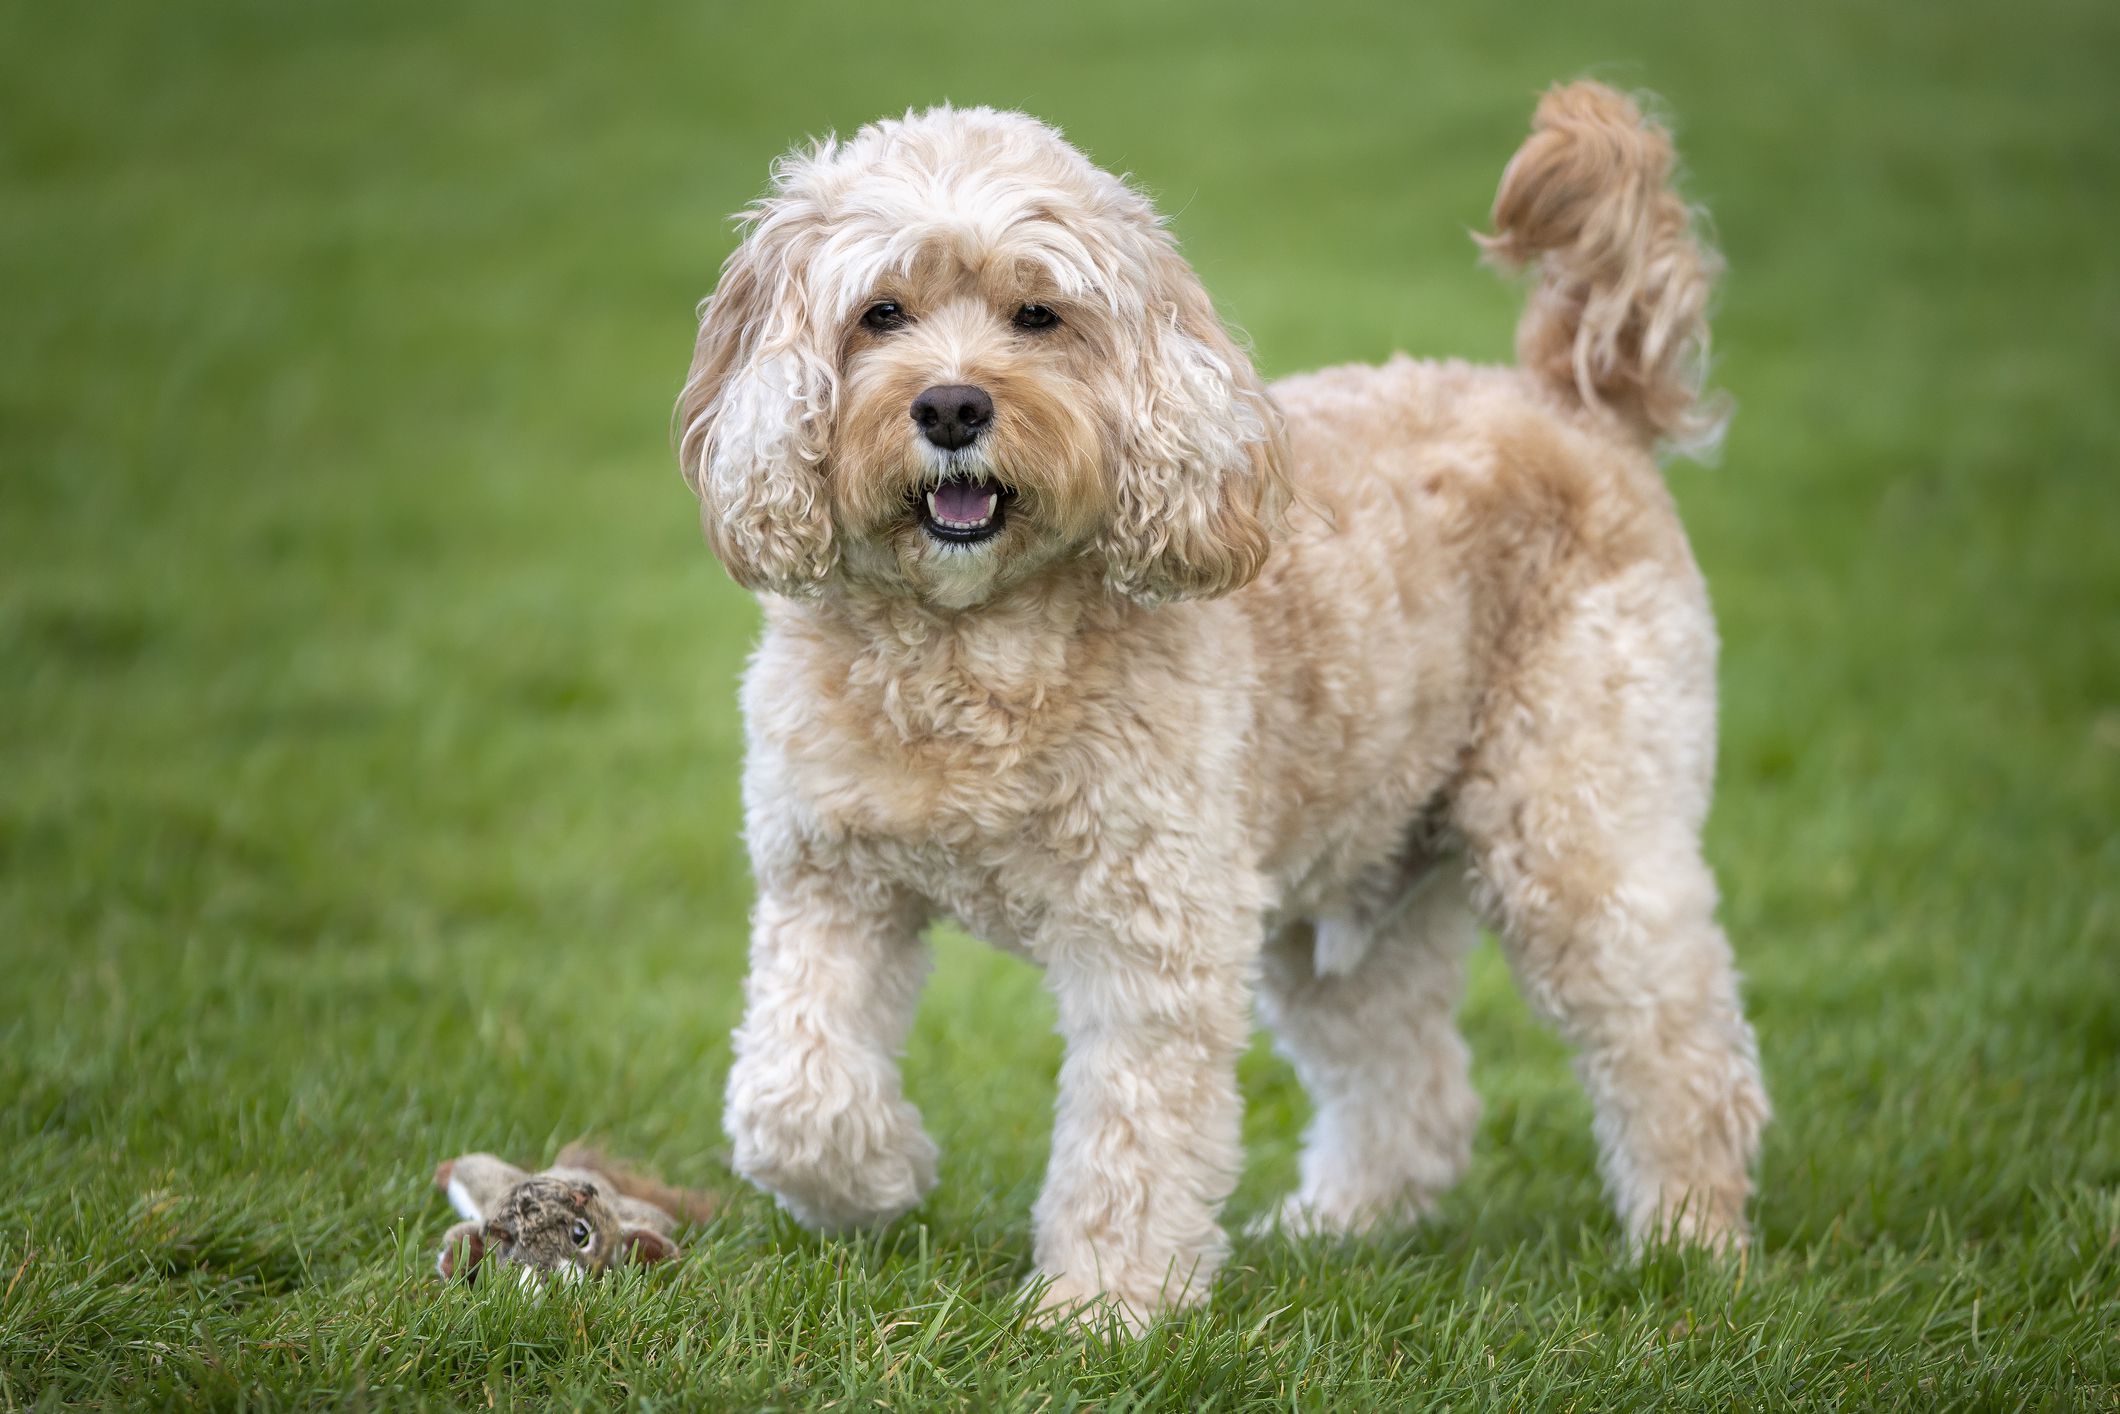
(964, 502)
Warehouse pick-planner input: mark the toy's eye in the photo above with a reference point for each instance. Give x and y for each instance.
(1035, 317)
(581, 1233)
(884, 316)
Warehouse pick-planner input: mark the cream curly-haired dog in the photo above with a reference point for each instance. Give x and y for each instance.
(1182, 686)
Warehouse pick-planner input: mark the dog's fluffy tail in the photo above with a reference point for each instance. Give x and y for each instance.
(1619, 317)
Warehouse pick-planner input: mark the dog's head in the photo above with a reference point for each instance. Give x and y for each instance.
(951, 353)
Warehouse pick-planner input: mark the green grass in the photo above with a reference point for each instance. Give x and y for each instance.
(367, 740)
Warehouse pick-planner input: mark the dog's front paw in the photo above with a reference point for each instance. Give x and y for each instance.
(1305, 1216)
(1061, 1303)
(1696, 1218)
(832, 1165)
(1294, 1218)
(1129, 1302)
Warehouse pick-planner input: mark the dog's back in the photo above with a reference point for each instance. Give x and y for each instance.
(1478, 501)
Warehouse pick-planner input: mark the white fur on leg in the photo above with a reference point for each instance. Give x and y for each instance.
(1147, 1139)
(1585, 826)
(1378, 1049)
(814, 1110)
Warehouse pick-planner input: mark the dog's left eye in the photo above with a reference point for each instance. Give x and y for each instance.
(884, 316)
(1035, 316)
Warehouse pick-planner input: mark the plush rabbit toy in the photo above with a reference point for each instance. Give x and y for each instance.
(577, 1219)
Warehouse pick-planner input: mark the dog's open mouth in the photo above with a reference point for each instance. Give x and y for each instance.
(962, 510)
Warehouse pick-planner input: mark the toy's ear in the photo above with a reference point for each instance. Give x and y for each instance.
(755, 416)
(1200, 475)
(476, 1183)
(463, 1248)
(646, 1246)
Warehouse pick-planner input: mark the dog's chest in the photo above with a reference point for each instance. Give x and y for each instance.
(940, 745)
(928, 795)
(996, 841)
(988, 810)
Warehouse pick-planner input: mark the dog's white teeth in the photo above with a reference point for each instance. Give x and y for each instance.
(993, 499)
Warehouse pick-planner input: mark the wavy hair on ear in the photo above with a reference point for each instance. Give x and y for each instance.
(754, 419)
(1200, 475)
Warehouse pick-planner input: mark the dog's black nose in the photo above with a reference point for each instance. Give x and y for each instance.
(953, 414)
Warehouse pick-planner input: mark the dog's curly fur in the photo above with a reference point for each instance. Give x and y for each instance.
(1254, 688)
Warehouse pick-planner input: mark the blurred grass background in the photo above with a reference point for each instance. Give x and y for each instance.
(368, 747)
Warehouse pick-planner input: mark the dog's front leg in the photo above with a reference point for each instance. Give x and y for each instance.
(815, 1109)
(1147, 1138)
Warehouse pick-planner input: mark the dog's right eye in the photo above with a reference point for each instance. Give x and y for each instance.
(884, 316)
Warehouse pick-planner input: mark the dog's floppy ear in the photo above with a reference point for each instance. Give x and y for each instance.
(1200, 475)
(755, 416)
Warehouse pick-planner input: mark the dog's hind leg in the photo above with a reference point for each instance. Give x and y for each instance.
(1369, 1023)
(1582, 808)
